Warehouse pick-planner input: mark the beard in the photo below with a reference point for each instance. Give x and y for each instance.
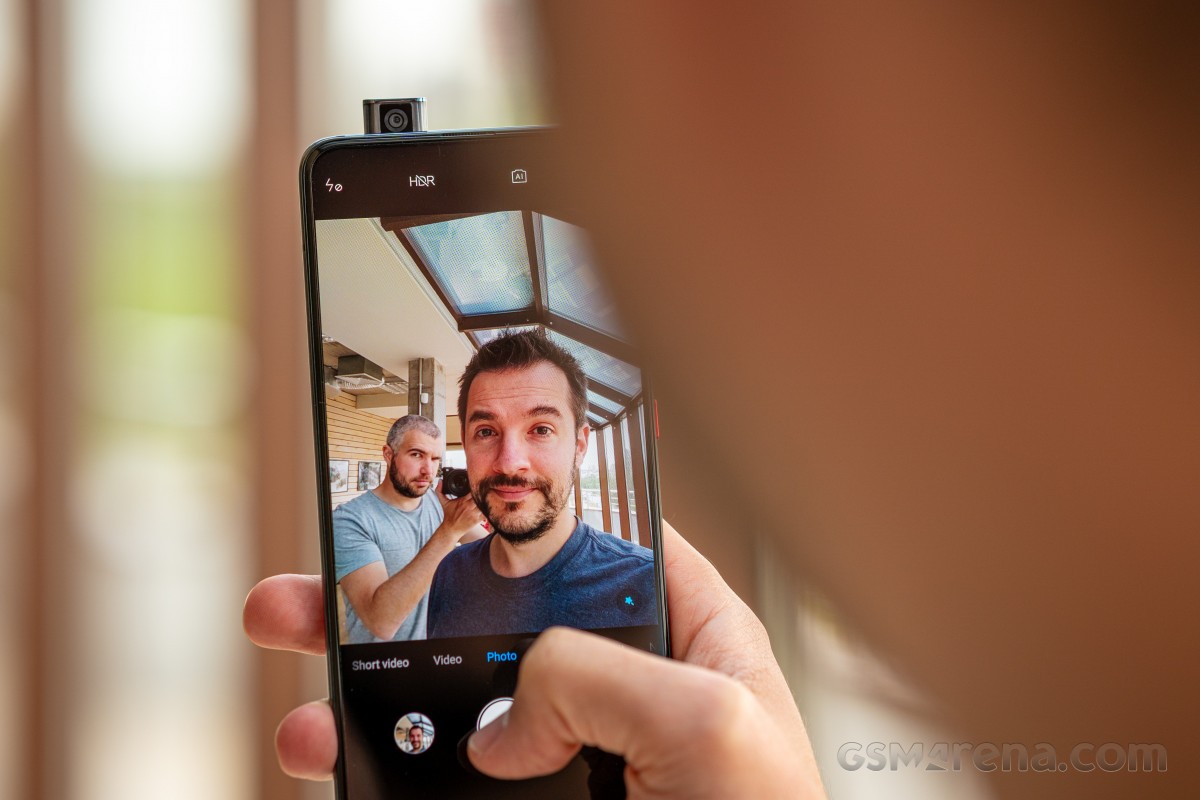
(502, 516)
(402, 486)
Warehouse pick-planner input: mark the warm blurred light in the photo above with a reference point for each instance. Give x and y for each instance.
(158, 492)
(14, 470)
(475, 60)
(155, 382)
(152, 383)
(14, 439)
(435, 36)
(162, 590)
(9, 25)
(157, 86)
(14, 483)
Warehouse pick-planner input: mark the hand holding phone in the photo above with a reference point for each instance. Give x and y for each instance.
(722, 724)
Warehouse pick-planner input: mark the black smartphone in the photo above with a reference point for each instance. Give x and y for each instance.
(485, 446)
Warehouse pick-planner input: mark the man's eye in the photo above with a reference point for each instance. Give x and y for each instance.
(543, 430)
(483, 433)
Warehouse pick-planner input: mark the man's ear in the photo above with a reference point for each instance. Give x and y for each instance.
(581, 444)
(388, 454)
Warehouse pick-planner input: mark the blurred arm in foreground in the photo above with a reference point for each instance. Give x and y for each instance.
(955, 249)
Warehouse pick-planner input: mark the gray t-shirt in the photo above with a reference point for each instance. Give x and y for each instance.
(366, 530)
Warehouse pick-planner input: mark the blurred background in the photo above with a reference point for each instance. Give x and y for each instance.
(154, 412)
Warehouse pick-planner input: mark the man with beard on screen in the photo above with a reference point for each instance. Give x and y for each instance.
(523, 405)
(388, 541)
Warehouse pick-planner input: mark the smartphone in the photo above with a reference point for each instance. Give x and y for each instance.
(485, 446)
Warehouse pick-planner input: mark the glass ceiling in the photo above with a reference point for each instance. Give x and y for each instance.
(480, 265)
(482, 337)
(574, 288)
(601, 367)
(603, 403)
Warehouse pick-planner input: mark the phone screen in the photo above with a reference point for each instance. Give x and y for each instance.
(486, 446)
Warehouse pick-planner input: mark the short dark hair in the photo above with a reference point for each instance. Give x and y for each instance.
(408, 423)
(523, 349)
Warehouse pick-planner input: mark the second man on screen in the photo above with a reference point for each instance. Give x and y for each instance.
(389, 541)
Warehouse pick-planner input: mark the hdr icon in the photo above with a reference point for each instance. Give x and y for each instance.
(420, 180)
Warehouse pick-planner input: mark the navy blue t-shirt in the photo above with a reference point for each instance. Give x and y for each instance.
(596, 580)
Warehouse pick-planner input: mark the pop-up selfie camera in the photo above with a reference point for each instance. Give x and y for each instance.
(396, 115)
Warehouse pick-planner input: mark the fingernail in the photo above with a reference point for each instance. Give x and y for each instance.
(482, 740)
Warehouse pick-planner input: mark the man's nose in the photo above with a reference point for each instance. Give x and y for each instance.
(513, 456)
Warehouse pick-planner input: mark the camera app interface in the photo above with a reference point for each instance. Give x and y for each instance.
(489, 470)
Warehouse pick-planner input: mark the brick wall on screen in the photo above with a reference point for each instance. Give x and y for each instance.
(353, 436)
